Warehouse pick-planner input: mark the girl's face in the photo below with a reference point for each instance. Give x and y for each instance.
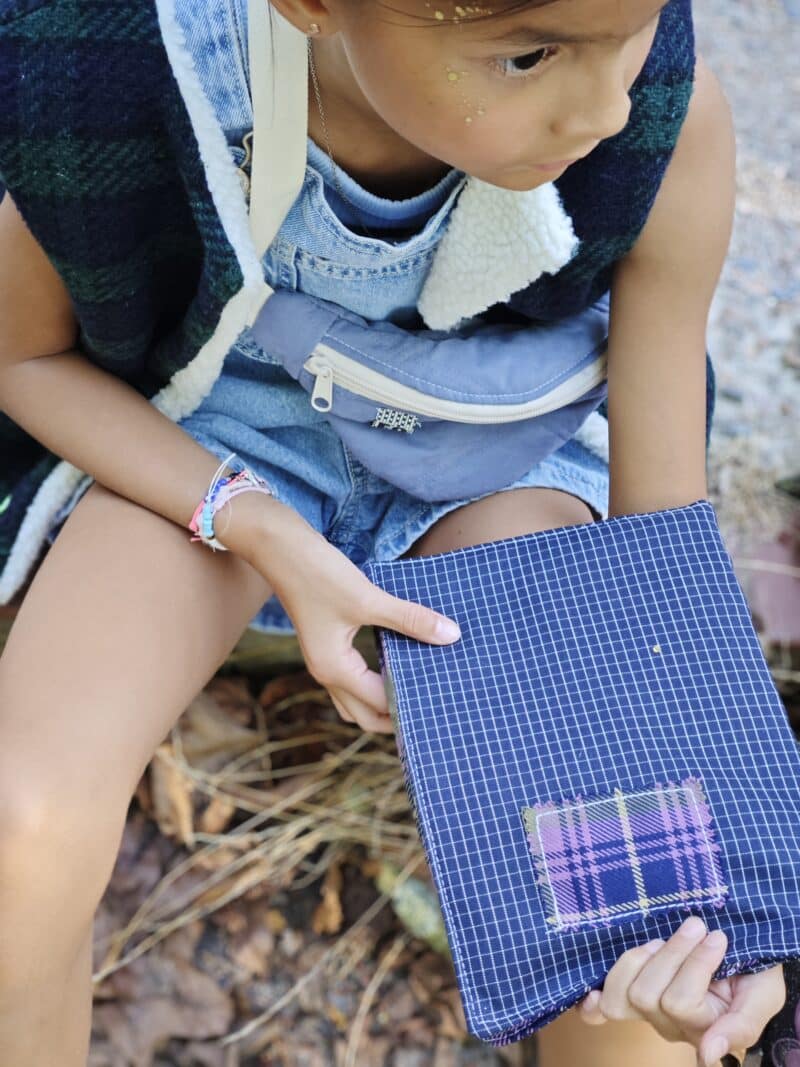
(511, 99)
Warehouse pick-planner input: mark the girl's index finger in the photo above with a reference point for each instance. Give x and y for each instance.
(686, 998)
(411, 618)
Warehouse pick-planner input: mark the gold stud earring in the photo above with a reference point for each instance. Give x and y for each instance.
(313, 28)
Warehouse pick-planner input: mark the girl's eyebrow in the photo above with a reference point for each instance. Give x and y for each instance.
(526, 36)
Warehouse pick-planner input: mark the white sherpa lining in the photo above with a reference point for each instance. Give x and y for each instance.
(593, 433)
(497, 242)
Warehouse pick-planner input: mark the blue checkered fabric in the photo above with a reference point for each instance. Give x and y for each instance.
(602, 753)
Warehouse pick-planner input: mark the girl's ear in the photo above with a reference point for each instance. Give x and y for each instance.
(307, 13)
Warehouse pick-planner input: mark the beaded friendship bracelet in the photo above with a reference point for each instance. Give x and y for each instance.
(220, 492)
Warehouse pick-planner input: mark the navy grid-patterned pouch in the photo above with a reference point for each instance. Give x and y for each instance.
(602, 753)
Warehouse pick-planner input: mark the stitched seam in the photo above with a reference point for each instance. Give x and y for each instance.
(237, 30)
(348, 496)
(422, 797)
(366, 273)
(454, 392)
(715, 893)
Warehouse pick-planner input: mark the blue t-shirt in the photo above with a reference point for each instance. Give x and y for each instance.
(391, 220)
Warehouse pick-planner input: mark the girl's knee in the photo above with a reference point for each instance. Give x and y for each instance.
(55, 844)
(509, 513)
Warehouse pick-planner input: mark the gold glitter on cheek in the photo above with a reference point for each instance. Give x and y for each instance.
(471, 106)
(479, 110)
(455, 75)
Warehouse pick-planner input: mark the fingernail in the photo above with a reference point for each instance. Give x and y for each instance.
(653, 946)
(448, 629)
(716, 939)
(692, 928)
(717, 1048)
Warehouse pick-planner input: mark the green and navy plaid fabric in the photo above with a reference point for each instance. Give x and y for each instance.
(602, 753)
(100, 155)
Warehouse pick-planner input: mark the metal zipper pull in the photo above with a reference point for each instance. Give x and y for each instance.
(322, 396)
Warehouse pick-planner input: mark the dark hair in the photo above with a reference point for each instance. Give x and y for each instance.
(506, 7)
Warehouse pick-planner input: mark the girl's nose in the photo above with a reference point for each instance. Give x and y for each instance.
(599, 109)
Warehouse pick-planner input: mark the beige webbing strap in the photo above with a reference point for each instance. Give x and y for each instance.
(279, 86)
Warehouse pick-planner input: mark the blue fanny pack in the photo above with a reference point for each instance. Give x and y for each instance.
(467, 411)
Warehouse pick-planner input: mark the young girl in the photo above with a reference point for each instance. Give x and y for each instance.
(125, 277)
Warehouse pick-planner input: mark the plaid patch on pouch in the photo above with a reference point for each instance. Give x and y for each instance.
(600, 860)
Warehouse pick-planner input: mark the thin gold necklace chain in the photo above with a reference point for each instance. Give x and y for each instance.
(339, 189)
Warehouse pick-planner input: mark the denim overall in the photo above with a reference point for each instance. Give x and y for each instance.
(255, 408)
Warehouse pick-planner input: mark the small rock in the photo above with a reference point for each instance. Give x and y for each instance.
(728, 428)
(290, 942)
(411, 1057)
(398, 1006)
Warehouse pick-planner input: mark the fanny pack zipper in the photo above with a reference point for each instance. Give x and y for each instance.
(330, 368)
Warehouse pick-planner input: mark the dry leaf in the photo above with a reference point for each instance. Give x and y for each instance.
(171, 999)
(171, 792)
(276, 920)
(254, 953)
(451, 1014)
(370, 867)
(327, 918)
(210, 737)
(286, 685)
(217, 815)
(232, 694)
(254, 874)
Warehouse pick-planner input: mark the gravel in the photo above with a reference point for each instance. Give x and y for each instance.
(754, 326)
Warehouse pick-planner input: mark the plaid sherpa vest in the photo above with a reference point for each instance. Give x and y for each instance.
(127, 186)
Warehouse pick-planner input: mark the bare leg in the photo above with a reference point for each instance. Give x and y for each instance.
(124, 623)
(567, 1041)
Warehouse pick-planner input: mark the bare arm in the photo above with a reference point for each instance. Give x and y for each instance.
(660, 299)
(97, 422)
(103, 426)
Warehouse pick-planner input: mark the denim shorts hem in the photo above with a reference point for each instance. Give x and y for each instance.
(553, 473)
(591, 487)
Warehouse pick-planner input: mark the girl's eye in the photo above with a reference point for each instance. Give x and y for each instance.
(521, 66)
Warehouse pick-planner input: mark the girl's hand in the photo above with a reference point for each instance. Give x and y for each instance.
(669, 985)
(328, 600)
